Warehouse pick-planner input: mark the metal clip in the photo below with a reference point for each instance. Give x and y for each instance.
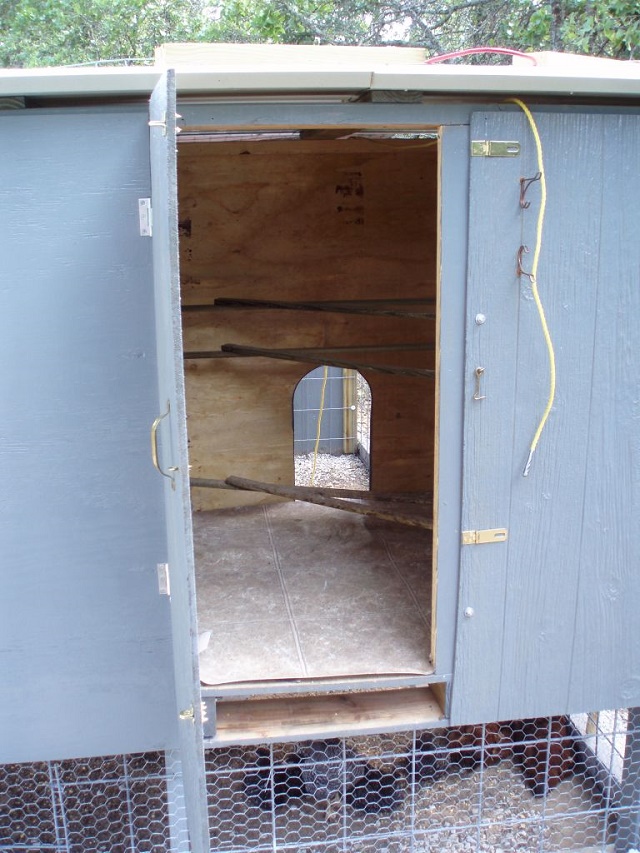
(525, 183)
(479, 372)
(523, 250)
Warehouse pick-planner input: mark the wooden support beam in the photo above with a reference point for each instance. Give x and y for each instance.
(260, 352)
(306, 717)
(371, 307)
(298, 493)
(321, 351)
(350, 494)
(208, 483)
(430, 347)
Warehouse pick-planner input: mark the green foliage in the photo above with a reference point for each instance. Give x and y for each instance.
(603, 27)
(296, 22)
(59, 32)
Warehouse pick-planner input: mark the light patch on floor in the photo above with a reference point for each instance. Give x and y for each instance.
(291, 590)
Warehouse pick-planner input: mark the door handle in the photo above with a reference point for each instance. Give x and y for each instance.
(154, 447)
(479, 373)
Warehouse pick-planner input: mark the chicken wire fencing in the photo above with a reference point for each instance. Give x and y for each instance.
(549, 784)
(331, 413)
(546, 784)
(115, 804)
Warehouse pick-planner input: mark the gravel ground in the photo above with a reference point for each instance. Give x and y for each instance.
(332, 472)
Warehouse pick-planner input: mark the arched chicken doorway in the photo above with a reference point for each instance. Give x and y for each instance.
(331, 429)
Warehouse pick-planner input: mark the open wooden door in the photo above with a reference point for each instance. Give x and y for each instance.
(82, 523)
(169, 449)
(545, 612)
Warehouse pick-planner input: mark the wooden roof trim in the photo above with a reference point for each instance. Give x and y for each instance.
(316, 70)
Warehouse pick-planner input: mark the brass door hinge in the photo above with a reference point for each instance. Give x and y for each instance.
(494, 148)
(483, 537)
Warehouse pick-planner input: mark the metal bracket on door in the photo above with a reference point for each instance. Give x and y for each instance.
(494, 148)
(164, 582)
(162, 122)
(479, 373)
(154, 122)
(145, 217)
(154, 448)
(484, 537)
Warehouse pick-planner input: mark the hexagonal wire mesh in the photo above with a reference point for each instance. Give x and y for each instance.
(548, 784)
(116, 804)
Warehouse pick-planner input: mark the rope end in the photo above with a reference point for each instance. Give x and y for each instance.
(525, 473)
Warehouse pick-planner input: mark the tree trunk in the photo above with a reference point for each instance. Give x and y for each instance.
(557, 22)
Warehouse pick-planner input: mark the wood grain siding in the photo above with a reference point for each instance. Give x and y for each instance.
(494, 236)
(180, 553)
(454, 211)
(86, 639)
(607, 639)
(546, 507)
(304, 221)
(555, 624)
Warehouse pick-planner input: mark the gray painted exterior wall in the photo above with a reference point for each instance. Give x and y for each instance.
(555, 624)
(87, 645)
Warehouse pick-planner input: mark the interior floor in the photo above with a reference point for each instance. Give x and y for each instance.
(295, 591)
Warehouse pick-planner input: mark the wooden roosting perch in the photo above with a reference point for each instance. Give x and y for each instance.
(324, 497)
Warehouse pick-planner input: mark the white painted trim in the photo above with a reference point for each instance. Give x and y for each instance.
(311, 71)
(513, 80)
(58, 82)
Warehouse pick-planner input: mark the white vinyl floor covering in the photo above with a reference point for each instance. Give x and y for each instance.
(291, 591)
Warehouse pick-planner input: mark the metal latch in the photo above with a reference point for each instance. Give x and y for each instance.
(494, 148)
(144, 214)
(483, 537)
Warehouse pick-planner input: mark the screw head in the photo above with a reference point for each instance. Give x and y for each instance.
(469, 612)
(480, 319)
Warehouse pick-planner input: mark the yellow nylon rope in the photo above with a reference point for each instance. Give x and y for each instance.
(534, 285)
(320, 414)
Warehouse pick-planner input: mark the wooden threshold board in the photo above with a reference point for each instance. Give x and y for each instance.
(306, 717)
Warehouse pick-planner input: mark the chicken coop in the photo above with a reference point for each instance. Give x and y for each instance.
(199, 652)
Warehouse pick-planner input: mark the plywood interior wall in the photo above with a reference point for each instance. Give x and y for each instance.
(304, 220)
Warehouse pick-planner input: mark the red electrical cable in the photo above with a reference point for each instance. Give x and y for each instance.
(507, 51)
